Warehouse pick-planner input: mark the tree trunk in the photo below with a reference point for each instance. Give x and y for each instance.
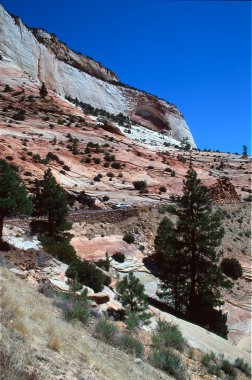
(1, 227)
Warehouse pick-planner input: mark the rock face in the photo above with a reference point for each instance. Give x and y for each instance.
(41, 57)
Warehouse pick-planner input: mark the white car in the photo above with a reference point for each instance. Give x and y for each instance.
(121, 206)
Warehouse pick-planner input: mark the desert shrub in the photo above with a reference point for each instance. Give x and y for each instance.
(228, 368)
(88, 274)
(7, 88)
(162, 189)
(110, 175)
(231, 268)
(168, 362)
(97, 178)
(9, 158)
(243, 366)
(106, 164)
(131, 345)
(97, 160)
(248, 198)
(205, 359)
(85, 199)
(214, 369)
(36, 158)
(139, 185)
(63, 251)
(105, 198)
(181, 158)
(87, 160)
(129, 238)
(168, 334)
(116, 165)
(103, 263)
(119, 257)
(78, 309)
(66, 168)
(105, 330)
(28, 174)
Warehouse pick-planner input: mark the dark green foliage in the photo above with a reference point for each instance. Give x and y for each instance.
(169, 335)
(228, 368)
(66, 168)
(244, 151)
(110, 175)
(129, 238)
(116, 165)
(14, 199)
(36, 158)
(51, 201)
(104, 264)
(162, 189)
(133, 298)
(63, 251)
(131, 345)
(105, 330)
(168, 362)
(243, 366)
(185, 145)
(119, 257)
(77, 309)
(187, 258)
(88, 274)
(139, 185)
(7, 88)
(43, 90)
(181, 158)
(248, 198)
(85, 199)
(231, 268)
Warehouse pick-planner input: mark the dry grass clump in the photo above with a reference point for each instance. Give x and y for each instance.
(67, 347)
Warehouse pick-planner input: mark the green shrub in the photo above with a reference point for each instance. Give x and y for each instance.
(129, 238)
(205, 360)
(228, 368)
(104, 264)
(162, 189)
(139, 185)
(168, 362)
(63, 251)
(105, 330)
(119, 257)
(88, 274)
(116, 165)
(109, 174)
(131, 345)
(248, 198)
(231, 268)
(214, 369)
(243, 366)
(77, 312)
(168, 334)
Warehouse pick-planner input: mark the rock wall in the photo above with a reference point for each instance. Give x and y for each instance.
(41, 57)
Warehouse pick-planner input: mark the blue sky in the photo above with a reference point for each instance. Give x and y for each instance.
(195, 54)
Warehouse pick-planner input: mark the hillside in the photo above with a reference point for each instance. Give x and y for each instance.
(100, 138)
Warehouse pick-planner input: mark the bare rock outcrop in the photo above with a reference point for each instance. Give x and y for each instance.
(223, 190)
(41, 57)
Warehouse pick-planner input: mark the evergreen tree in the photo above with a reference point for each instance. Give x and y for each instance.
(190, 249)
(52, 201)
(13, 195)
(133, 298)
(43, 90)
(244, 151)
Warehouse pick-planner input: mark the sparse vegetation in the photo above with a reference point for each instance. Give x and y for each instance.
(129, 238)
(231, 267)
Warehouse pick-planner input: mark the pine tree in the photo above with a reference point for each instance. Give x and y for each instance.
(14, 199)
(190, 249)
(244, 151)
(43, 90)
(52, 201)
(133, 298)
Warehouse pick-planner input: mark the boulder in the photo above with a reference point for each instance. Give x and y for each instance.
(99, 298)
(18, 272)
(61, 285)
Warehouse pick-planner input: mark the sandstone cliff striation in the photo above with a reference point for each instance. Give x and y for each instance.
(41, 57)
